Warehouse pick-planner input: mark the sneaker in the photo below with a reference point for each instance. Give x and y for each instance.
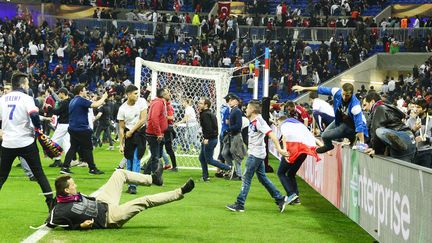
(205, 179)
(174, 169)
(56, 163)
(167, 167)
(269, 169)
(96, 172)
(132, 190)
(32, 178)
(235, 207)
(157, 176)
(282, 203)
(82, 164)
(292, 198)
(323, 149)
(396, 141)
(234, 177)
(65, 171)
(188, 186)
(74, 163)
(110, 148)
(219, 174)
(296, 202)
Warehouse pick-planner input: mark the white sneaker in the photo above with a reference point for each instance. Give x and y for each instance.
(74, 163)
(82, 164)
(110, 148)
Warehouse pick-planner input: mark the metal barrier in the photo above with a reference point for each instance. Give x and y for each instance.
(256, 33)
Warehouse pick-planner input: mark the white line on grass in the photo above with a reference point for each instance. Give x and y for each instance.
(40, 233)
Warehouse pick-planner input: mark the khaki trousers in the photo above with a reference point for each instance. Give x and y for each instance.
(111, 192)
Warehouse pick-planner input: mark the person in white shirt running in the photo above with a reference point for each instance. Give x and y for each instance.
(20, 117)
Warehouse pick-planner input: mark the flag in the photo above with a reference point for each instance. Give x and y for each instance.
(299, 140)
(224, 10)
(51, 148)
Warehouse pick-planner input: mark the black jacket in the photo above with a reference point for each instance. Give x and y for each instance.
(384, 115)
(209, 124)
(62, 110)
(71, 214)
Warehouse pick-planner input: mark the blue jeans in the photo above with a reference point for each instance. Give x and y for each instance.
(405, 136)
(191, 137)
(322, 119)
(333, 132)
(206, 157)
(253, 165)
(134, 165)
(287, 174)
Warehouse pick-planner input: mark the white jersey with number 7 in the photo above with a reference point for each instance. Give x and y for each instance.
(18, 130)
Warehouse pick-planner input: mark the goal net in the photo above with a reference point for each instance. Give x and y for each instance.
(187, 85)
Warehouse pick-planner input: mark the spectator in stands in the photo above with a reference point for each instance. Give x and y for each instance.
(387, 130)
(349, 120)
(297, 112)
(421, 124)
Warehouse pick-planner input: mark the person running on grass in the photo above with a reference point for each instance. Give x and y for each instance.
(299, 142)
(20, 118)
(210, 130)
(76, 211)
(258, 129)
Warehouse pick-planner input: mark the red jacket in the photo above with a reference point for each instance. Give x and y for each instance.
(157, 118)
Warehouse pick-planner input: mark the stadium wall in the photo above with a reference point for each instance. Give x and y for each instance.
(389, 198)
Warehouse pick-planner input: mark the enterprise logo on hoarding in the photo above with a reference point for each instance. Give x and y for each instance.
(389, 207)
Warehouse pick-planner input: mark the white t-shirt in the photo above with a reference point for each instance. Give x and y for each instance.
(322, 107)
(131, 114)
(91, 118)
(258, 129)
(391, 85)
(18, 130)
(60, 51)
(33, 49)
(190, 112)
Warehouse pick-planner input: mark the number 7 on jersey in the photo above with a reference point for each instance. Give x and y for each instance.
(12, 111)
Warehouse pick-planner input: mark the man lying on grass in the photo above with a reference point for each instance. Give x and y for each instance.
(76, 211)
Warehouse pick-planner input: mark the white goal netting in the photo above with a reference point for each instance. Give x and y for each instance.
(187, 84)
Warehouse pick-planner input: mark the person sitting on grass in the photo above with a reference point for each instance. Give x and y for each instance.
(76, 211)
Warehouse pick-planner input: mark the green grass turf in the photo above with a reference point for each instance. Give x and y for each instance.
(200, 216)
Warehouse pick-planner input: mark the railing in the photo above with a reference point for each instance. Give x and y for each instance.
(256, 33)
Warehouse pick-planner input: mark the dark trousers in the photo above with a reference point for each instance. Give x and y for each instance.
(423, 158)
(287, 173)
(80, 141)
(155, 153)
(31, 155)
(170, 152)
(107, 133)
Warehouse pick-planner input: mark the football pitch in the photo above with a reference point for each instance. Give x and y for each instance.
(200, 217)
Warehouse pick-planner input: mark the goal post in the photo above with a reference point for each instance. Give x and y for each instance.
(187, 84)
